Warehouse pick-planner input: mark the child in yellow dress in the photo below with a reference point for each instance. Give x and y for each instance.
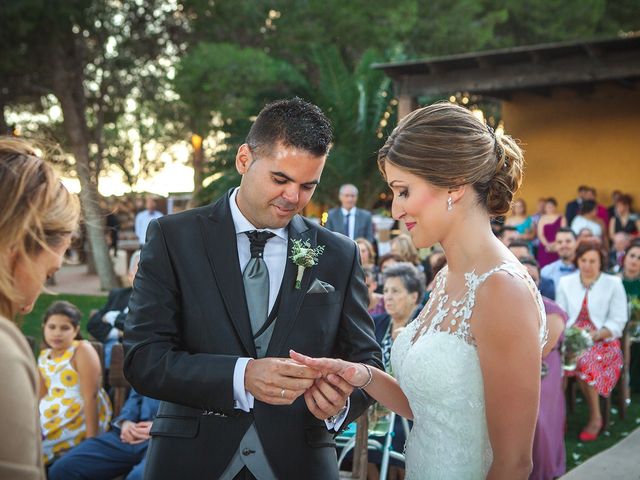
(73, 405)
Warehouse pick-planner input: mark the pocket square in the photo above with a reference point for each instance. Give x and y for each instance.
(318, 286)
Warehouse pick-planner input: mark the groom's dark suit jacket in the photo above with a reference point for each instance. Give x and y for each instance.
(188, 323)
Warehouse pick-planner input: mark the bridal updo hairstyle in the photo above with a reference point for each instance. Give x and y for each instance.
(36, 212)
(448, 146)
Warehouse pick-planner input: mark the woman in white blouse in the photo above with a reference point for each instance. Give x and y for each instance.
(596, 302)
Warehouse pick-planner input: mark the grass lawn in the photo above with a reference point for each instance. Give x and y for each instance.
(32, 323)
(577, 452)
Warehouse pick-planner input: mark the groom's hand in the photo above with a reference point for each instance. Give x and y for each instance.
(327, 396)
(278, 381)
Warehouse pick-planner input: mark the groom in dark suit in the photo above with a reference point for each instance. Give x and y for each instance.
(216, 309)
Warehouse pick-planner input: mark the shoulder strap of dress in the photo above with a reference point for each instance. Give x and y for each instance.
(518, 271)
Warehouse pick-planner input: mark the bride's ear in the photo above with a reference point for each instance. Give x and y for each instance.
(457, 193)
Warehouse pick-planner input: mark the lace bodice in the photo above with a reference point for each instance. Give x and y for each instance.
(436, 362)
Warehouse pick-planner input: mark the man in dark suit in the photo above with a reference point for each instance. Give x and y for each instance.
(574, 206)
(349, 220)
(107, 324)
(216, 309)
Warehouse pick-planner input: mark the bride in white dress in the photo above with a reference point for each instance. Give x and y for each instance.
(468, 368)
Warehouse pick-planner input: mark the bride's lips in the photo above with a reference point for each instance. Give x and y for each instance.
(410, 225)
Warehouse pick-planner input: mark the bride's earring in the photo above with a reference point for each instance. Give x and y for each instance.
(449, 204)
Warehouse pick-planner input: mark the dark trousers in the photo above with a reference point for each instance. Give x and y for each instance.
(101, 457)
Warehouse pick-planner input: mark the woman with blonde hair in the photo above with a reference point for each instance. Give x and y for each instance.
(468, 367)
(37, 217)
(403, 247)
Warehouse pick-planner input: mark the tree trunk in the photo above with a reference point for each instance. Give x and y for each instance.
(69, 90)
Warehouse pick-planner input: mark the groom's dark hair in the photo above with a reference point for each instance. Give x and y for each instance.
(294, 123)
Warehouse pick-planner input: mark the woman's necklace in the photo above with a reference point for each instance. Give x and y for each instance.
(588, 284)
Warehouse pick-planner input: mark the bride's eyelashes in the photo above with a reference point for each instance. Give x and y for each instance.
(403, 193)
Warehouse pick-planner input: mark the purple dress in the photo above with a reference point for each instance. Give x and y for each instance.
(549, 231)
(548, 442)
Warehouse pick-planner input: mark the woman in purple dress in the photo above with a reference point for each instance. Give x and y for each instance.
(548, 225)
(548, 442)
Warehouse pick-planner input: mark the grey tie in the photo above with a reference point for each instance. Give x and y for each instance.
(256, 281)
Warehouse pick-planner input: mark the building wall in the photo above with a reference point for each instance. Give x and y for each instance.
(572, 139)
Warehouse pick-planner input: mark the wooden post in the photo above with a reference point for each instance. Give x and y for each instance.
(406, 104)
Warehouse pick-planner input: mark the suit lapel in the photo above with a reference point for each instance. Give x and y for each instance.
(221, 245)
(291, 298)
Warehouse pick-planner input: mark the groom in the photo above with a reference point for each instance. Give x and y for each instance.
(216, 308)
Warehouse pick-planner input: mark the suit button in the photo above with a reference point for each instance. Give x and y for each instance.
(247, 451)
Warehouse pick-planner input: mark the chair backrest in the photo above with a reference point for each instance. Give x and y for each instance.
(117, 380)
(360, 450)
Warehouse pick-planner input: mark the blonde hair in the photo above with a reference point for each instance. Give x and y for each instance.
(449, 147)
(406, 250)
(37, 212)
(369, 247)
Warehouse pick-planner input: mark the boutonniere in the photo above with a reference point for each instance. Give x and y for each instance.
(304, 257)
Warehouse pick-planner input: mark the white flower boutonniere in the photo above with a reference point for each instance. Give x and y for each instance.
(304, 257)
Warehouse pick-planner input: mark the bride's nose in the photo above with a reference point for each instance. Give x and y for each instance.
(397, 212)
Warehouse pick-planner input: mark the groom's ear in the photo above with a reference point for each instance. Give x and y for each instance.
(243, 159)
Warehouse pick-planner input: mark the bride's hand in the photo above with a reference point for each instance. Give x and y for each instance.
(354, 373)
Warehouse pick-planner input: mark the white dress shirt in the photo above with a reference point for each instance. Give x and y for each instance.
(607, 301)
(143, 219)
(352, 220)
(275, 256)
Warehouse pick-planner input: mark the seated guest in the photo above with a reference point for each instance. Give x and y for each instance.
(402, 246)
(367, 252)
(548, 443)
(547, 229)
(73, 405)
(520, 220)
(376, 300)
(120, 451)
(403, 290)
(620, 244)
(624, 220)
(565, 246)
(508, 234)
(595, 301)
(107, 324)
(387, 260)
(520, 249)
(589, 220)
(631, 280)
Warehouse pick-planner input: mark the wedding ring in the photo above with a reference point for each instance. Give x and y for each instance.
(282, 393)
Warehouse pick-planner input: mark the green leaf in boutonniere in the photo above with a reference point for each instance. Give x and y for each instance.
(304, 257)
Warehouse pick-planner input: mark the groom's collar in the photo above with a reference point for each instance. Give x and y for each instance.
(241, 223)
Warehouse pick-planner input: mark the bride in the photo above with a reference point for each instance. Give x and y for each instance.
(468, 368)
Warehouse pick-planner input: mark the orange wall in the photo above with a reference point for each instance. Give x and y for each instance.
(571, 139)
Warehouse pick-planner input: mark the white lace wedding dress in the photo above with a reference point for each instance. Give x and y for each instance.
(440, 375)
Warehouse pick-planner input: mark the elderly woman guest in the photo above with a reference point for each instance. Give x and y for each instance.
(36, 220)
(403, 290)
(595, 301)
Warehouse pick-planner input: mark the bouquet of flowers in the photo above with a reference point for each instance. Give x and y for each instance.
(634, 318)
(576, 342)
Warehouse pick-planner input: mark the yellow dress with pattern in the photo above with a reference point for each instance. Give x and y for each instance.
(62, 408)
